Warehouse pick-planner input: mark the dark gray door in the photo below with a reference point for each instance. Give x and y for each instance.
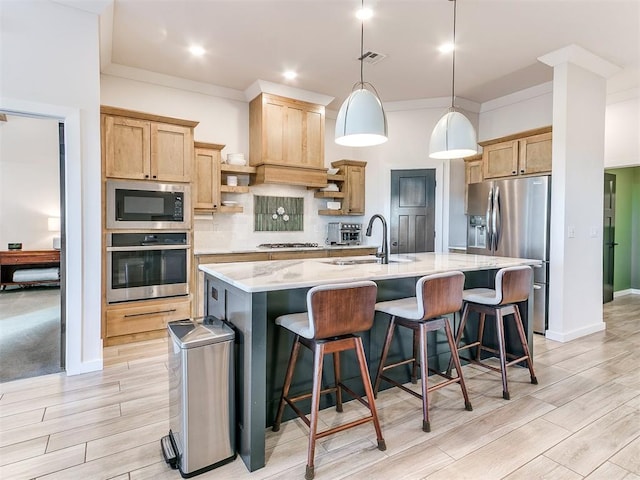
(413, 210)
(608, 236)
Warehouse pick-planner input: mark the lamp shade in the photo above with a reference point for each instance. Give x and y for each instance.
(361, 121)
(453, 137)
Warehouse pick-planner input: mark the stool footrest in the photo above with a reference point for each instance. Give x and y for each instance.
(344, 426)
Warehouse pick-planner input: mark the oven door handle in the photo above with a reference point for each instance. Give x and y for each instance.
(137, 248)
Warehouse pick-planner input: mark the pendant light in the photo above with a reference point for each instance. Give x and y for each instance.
(453, 135)
(361, 120)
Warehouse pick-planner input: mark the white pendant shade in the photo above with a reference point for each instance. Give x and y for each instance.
(361, 121)
(453, 137)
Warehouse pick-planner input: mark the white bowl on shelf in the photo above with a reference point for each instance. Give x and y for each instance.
(229, 203)
(333, 171)
(232, 180)
(332, 187)
(236, 159)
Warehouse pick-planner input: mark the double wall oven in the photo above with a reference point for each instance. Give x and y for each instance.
(147, 242)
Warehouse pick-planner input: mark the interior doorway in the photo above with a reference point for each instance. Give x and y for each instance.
(412, 219)
(608, 237)
(32, 300)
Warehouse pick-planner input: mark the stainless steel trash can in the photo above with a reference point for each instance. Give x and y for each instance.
(201, 396)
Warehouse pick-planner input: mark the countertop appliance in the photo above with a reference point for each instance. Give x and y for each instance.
(147, 265)
(339, 233)
(510, 218)
(148, 205)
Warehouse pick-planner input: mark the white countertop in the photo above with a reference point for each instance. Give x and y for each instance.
(249, 249)
(289, 274)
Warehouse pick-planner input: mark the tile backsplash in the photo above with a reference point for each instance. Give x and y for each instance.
(213, 232)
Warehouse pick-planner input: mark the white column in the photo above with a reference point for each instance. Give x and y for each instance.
(575, 266)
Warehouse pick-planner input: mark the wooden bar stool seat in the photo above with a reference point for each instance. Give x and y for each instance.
(335, 313)
(512, 285)
(436, 296)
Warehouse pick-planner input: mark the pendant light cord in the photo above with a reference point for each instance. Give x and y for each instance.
(453, 61)
(362, 45)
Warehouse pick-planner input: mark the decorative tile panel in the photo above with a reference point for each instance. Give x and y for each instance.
(278, 214)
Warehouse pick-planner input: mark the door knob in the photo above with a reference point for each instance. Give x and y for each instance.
(395, 244)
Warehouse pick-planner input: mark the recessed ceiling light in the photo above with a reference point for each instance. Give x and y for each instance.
(446, 47)
(196, 50)
(364, 13)
(289, 74)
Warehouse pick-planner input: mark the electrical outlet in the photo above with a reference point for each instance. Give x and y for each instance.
(593, 233)
(571, 231)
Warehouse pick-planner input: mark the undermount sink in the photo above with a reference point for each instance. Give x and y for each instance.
(361, 261)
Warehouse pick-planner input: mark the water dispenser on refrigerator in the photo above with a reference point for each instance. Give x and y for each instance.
(477, 231)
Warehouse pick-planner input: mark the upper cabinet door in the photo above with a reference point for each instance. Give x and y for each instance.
(355, 190)
(126, 144)
(206, 184)
(171, 152)
(500, 159)
(535, 154)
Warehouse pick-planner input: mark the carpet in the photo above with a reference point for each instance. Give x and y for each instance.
(29, 332)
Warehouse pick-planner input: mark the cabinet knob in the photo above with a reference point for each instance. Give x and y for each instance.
(146, 176)
(513, 172)
(155, 176)
(522, 171)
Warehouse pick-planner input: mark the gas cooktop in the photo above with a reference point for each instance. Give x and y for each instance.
(288, 245)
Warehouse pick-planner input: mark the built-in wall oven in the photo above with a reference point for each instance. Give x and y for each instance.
(147, 205)
(146, 265)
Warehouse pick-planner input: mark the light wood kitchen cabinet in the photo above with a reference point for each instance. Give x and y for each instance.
(142, 146)
(210, 181)
(135, 321)
(473, 169)
(351, 183)
(206, 184)
(472, 174)
(525, 153)
(286, 141)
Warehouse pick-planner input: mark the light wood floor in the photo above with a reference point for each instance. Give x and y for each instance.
(581, 421)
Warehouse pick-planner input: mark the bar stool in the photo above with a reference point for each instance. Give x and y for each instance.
(512, 285)
(335, 313)
(436, 296)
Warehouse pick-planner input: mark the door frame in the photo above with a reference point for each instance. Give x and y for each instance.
(83, 343)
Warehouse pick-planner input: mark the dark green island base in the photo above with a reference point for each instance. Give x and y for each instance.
(263, 348)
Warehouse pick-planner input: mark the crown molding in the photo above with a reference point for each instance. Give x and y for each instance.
(582, 58)
(263, 86)
(146, 76)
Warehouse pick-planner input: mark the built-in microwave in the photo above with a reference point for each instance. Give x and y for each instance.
(147, 205)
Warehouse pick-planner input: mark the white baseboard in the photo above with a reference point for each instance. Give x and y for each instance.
(577, 333)
(628, 291)
(84, 367)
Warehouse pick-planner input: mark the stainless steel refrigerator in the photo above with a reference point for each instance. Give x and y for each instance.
(510, 218)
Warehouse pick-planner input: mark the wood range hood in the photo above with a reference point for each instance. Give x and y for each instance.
(286, 141)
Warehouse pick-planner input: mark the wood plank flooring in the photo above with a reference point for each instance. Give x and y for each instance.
(582, 421)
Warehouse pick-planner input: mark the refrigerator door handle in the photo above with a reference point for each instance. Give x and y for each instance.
(488, 219)
(496, 226)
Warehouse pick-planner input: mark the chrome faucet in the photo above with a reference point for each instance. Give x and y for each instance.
(384, 251)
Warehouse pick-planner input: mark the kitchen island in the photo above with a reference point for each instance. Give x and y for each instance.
(251, 295)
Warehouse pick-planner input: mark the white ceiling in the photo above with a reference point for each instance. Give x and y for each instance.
(498, 41)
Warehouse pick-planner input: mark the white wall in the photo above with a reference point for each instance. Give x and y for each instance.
(29, 181)
(524, 110)
(49, 65)
(622, 131)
